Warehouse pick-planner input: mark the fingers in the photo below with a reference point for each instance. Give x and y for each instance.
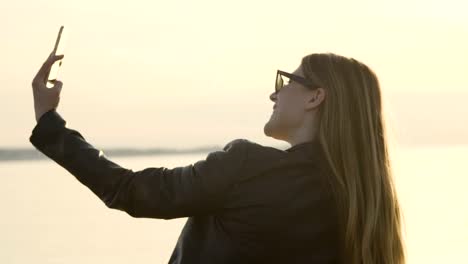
(45, 68)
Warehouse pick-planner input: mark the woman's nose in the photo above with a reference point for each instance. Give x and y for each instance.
(273, 96)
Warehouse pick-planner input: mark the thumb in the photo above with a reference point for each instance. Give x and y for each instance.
(57, 86)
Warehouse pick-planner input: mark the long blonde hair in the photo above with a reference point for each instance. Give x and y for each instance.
(353, 136)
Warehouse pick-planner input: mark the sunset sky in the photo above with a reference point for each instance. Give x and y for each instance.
(191, 73)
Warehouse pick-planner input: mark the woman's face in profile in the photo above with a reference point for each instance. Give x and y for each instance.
(289, 109)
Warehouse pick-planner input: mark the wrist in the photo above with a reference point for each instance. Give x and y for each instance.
(40, 114)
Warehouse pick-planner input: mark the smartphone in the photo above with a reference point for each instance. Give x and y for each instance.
(58, 50)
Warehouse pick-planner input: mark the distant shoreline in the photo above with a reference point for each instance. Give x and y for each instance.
(10, 154)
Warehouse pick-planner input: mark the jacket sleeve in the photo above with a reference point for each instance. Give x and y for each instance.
(154, 192)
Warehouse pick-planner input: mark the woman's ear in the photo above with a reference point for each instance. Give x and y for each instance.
(316, 98)
(320, 94)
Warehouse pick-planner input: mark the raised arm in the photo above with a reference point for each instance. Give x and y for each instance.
(154, 192)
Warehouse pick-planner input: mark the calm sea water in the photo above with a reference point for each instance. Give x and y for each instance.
(49, 217)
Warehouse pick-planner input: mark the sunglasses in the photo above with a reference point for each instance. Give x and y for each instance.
(280, 82)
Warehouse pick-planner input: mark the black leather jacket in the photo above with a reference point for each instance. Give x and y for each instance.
(246, 203)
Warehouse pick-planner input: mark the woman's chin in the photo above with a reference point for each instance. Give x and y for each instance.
(268, 128)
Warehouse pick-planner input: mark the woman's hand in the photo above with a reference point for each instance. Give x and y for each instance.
(45, 98)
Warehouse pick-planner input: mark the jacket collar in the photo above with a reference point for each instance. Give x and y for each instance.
(310, 149)
(308, 145)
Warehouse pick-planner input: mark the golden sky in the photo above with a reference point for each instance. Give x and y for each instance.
(190, 73)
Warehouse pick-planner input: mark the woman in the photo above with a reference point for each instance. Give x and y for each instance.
(341, 108)
(329, 198)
